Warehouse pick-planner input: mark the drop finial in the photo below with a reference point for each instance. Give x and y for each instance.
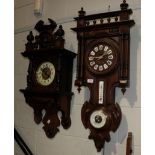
(79, 89)
(123, 90)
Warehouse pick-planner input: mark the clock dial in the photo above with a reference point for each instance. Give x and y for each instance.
(45, 73)
(98, 119)
(101, 58)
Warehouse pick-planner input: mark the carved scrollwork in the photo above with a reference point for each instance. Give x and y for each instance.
(51, 106)
(65, 110)
(101, 131)
(46, 38)
(49, 77)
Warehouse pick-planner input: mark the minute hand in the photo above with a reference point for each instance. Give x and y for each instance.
(101, 56)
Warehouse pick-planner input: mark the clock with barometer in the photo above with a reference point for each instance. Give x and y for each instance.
(102, 65)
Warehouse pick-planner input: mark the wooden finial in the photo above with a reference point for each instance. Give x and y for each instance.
(123, 90)
(124, 5)
(109, 17)
(60, 32)
(123, 84)
(82, 12)
(30, 37)
(30, 45)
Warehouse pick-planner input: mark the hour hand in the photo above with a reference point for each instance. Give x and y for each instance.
(101, 56)
(93, 57)
(98, 57)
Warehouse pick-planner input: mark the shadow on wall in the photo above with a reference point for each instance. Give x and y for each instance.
(131, 92)
(111, 147)
(134, 70)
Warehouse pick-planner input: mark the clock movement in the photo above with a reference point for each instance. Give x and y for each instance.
(49, 78)
(103, 63)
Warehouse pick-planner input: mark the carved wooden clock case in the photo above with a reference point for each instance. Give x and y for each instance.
(102, 64)
(49, 78)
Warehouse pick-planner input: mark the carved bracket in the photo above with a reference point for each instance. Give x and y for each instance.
(51, 105)
(101, 120)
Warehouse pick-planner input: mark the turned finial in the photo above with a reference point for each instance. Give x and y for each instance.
(124, 5)
(82, 12)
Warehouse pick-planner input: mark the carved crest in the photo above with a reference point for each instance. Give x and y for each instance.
(47, 38)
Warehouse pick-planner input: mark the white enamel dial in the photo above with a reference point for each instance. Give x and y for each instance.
(98, 119)
(45, 73)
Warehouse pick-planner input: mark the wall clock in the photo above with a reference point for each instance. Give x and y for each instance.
(103, 64)
(49, 78)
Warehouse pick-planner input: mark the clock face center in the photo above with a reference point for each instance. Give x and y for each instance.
(98, 119)
(46, 73)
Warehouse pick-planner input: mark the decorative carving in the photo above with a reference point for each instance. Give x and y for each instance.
(49, 60)
(113, 113)
(51, 104)
(46, 38)
(124, 5)
(103, 64)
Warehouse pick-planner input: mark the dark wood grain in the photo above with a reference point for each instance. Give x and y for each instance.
(113, 29)
(48, 46)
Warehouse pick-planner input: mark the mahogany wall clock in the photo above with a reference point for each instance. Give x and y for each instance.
(102, 64)
(49, 78)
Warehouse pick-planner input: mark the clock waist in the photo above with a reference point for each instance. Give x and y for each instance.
(44, 93)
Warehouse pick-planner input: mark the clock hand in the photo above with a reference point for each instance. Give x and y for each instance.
(91, 57)
(96, 57)
(100, 57)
